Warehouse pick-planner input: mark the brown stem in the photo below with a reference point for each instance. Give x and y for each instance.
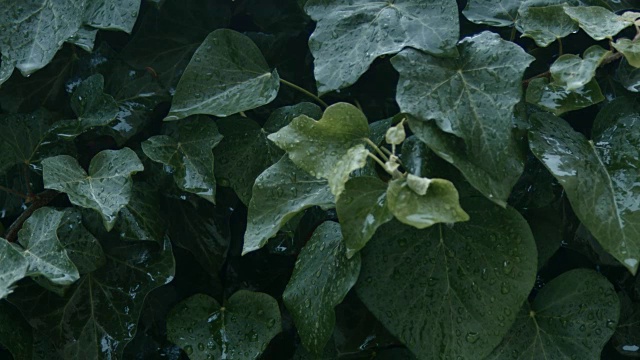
(27, 180)
(41, 200)
(13, 192)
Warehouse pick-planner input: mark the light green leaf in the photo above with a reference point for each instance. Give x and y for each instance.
(189, 152)
(112, 14)
(438, 205)
(281, 192)
(349, 35)
(450, 291)
(545, 24)
(78, 323)
(473, 98)
(14, 267)
(362, 208)
(492, 12)
(107, 186)
(558, 100)
(598, 22)
(630, 49)
(226, 75)
(599, 175)
(322, 277)
(327, 148)
(572, 73)
(83, 249)
(240, 329)
(43, 250)
(571, 317)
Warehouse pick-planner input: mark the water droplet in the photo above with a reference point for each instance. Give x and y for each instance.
(472, 337)
(188, 349)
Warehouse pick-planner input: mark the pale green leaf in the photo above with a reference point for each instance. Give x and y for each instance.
(492, 12)
(558, 100)
(43, 250)
(322, 277)
(327, 148)
(362, 208)
(14, 267)
(572, 72)
(450, 291)
(439, 205)
(106, 188)
(112, 14)
(573, 316)
(189, 152)
(279, 193)
(598, 22)
(226, 75)
(630, 49)
(599, 175)
(545, 24)
(240, 329)
(473, 98)
(350, 35)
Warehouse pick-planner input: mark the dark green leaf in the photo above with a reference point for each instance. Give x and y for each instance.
(240, 329)
(628, 76)
(21, 138)
(322, 277)
(450, 291)
(226, 75)
(545, 24)
(362, 208)
(14, 267)
(598, 22)
(15, 332)
(571, 317)
(189, 152)
(142, 219)
(107, 186)
(598, 175)
(81, 246)
(558, 100)
(349, 35)
(281, 192)
(492, 12)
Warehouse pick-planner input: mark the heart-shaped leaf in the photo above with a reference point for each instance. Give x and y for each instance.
(572, 73)
(349, 35)
(598, 22)
(143, 218)
(545, 24)
(226, 75)
(322, 277)
(107, 186)
(450, 291)
(630, 49)
(240, 329)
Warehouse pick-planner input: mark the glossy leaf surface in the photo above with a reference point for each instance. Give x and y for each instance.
(545, 24)
(597, 21)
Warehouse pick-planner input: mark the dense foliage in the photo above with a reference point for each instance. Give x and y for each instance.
(402, 179)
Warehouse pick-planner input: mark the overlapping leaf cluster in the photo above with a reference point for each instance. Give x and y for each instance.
(320, 179)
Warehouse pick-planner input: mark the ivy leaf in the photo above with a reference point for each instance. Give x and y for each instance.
(630, 49)
(78, 322)
(438, 205)
(327, 148)
(572, 73)
(598, 22)
(143, 218)
(545, 24)
(241, 329)
(14, 267)
(226, 75)
(575, 314)
(458, 95)
(281, 192)
(558, 100)
(349, 35)
(492, 12)
(450, 291)
(83, 249)
(362, 208)
(628, 76)
(43, 250)
(598, 175)
(112, 14)
(15, 333)
(22, 138)
(107, 186)
(189, 152)
(311, 304)
(84, 38)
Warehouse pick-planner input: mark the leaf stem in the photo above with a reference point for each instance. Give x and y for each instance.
(27, 180)
(41, 200)
(375, 158)
(560, 49)
(306, 92)
(13, 192)
(376, 148)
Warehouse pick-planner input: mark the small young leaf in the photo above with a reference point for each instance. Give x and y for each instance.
(241, 329)
(396, 134)
(630, 50)
(107, 186)
(311, 302)
(572, 73)
(598, 22)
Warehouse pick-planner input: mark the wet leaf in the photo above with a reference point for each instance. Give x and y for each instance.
(22, 137)
(492, 12)
(545, 24)
(240, 329)
(630, 50)
(598, 175)
(572, 73)
(598, 22)
(81, 246)
(189, 153)
(279, 193)
(572, 316)
(226, 75)
(558, 100)
(14, 267)
(106, 188)
(450, 291)
(362, 208)
(349, 35)
(112, 14)
(322, 277)
(143, 218)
